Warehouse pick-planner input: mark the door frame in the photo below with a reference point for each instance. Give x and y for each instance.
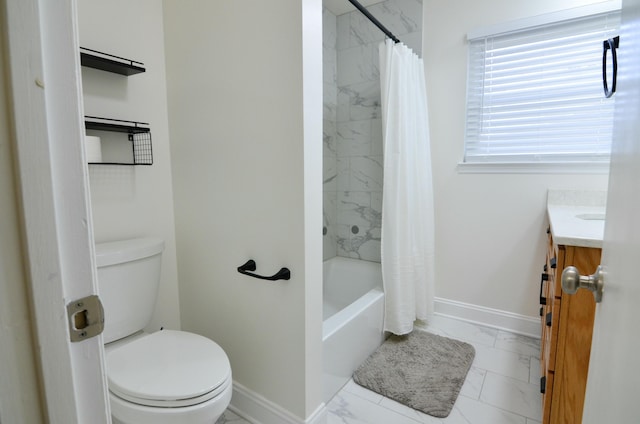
(57, 230)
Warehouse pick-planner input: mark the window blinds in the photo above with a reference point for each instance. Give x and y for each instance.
(535, 95)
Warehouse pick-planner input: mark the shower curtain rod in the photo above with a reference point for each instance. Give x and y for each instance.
(373, 19)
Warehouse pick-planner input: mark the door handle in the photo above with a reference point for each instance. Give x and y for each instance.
(610, 44)
(572, 281)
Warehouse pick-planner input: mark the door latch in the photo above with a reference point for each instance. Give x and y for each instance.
(86, 318)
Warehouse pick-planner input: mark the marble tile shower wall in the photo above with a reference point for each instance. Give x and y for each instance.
(330, 105)
(353, 162)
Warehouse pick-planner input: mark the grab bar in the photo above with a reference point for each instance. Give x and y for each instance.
(250, 265)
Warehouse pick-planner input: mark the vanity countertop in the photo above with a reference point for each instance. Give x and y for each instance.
(576, 217)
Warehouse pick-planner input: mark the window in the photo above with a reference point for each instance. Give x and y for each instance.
(534, 94)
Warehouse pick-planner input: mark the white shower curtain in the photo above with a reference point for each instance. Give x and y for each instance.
(407, 209)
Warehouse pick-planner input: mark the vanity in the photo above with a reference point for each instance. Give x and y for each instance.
(574, 238)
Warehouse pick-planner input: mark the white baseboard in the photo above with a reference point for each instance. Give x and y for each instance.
(257, 409)
(495, 318)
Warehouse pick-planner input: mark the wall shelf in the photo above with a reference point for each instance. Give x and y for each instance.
(115, 125)
(110, 63)
(138, 133)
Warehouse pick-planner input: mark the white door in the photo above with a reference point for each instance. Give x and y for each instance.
(614, 369)
(57, 228)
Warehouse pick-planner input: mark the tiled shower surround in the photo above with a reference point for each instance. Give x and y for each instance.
(353, 171)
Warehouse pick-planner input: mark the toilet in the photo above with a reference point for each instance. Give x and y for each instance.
(165, 377)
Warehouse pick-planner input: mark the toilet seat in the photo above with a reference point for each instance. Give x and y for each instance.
(168, 369)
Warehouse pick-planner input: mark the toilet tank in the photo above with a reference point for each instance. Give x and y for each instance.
(128, 280)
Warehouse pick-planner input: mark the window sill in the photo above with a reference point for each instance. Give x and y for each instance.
(534, 168)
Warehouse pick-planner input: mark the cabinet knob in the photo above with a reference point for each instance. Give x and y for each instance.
(572, 281)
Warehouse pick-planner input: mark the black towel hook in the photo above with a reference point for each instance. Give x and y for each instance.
(610, 44)
(250, 265)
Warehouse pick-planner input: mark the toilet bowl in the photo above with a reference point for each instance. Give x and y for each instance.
(166, 377)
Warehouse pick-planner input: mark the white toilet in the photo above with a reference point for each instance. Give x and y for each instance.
(166, 377)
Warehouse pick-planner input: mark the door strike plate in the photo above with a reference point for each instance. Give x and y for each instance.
(86, 318)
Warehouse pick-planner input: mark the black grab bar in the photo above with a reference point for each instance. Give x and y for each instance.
(250, 265)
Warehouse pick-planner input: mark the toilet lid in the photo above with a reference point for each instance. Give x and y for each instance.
(168, 366)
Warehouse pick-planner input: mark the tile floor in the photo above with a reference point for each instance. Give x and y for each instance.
(502, 386)
(230, 418)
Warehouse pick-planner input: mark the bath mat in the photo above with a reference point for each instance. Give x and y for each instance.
(421, 370)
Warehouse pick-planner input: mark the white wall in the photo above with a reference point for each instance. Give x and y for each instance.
(19, 386)
(130, 201)
(246, 128)
(490, 228)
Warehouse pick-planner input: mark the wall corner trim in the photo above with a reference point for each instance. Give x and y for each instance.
(256, 409)
(495, 318)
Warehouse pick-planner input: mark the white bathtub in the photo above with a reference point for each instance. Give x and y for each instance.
(352, 322)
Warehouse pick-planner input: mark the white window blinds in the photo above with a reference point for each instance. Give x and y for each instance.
(535, 95)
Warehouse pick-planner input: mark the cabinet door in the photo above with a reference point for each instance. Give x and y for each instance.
(552, 325)
(577, 313)
(560, 253)
(547, 397)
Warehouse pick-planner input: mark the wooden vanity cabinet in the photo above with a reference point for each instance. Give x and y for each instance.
(566, 323)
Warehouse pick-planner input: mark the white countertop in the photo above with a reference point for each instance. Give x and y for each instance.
(571, 217)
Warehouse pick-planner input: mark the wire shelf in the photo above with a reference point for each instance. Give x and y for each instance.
(138, 133)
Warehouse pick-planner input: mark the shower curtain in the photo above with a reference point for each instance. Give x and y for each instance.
(407, 207)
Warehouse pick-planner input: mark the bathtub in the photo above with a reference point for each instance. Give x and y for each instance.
(353, 308)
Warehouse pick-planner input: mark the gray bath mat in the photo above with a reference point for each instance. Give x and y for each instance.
(420, 370)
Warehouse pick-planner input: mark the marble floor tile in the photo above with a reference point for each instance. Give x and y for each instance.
(512, 395)
(469, 411)
(508, 364)
(409, 412)
(473, 383)
(518, 343)
(231, 418)
(347, 408)
(460, 330)
(534, 371)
